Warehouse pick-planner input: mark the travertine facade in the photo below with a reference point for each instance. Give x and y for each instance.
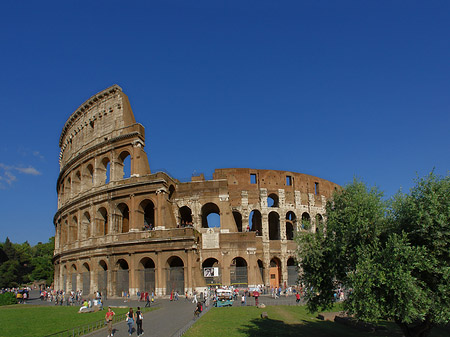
(120, 227)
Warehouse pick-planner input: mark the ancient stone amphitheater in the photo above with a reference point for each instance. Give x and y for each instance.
(122, 228)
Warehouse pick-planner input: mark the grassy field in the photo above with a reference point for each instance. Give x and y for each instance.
(283, 321)
(34, 321)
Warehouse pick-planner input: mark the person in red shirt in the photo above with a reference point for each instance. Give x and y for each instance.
(109, 319)
(297, 297)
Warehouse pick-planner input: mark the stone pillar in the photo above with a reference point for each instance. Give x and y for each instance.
(133, 276)
(160, 286)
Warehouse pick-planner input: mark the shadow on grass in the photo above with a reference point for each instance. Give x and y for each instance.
(275, 328)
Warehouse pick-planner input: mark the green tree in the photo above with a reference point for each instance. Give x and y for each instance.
(384, 255)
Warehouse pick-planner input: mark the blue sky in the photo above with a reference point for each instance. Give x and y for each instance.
(335, 89)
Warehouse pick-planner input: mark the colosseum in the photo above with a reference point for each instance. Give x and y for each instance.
(121, 227)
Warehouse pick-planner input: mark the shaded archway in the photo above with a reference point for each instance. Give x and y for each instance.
(261, 271)
(306, 221)
(85, 226)
(74, 229)
(146, 275)
(124, 217)
(86, 275)
(272, 200)
(319, 223)
(238, 220)
(185, 216)
(124, 165)
(147, 207)
(275, 272)
(101, 222)
(175, 275)
(292, 272)
(105, 168)
(102, 278)
(255, 222)
(73, 272)
(122, 277)
(210, 215)
(238, 272)
(291, 221)
(274, 226)
(211, 272)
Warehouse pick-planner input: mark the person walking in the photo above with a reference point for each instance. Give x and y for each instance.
(109, 319)
(138, 317)
(148, 300)
(130, 321)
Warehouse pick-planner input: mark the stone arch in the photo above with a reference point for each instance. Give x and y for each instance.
(274, 226)
(147, 275)
(76, 182)
(171, 192)
(238, 220)
(74, 229)
(319, 222)
(101, 222)
(124, 214)
(275, 272)
(261, 271)
(208, 219)
(102, 277)
(239, 272)
(86, 278)
(105, 169)
(306, 221)
(174, 275)
(122, 277)
(64, 280)
(85, 226)
(292, 272)
(123, 165)
(213, 279)
(185, 216)
(291, 220)
(255, 222)
(73, 274)
(88, 177)
(273, 200)
(147, 209)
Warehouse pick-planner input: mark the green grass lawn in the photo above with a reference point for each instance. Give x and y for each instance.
(34, 320)
(283, 321)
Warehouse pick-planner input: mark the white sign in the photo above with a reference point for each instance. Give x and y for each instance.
(211, 271)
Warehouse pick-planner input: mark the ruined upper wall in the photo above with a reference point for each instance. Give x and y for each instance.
(102, 117)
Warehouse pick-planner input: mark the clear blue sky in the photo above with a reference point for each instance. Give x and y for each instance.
(329, 88)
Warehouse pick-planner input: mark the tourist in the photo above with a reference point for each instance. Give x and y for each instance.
(139, 317)
(130, 321)
(109, 320)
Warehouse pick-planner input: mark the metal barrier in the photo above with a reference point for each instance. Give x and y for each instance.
(91, 327)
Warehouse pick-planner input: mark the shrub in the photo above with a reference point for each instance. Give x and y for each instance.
(8, 298)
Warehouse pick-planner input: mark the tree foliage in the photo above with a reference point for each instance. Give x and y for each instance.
(22, 263)
(393, 257)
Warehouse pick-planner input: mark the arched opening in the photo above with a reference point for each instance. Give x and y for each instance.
(175, 275)
(238, 220)
(64, 280)
(122, 279)
(86, 275)
(238, 272)
(255, 222)
(148, 209)
(125, 165)
(76, 183)
(272, 200)
(102, 222)
(211, 272)
(261, 271)
(147, 275)
(85, 226)
(74, 229)
(291, 220)
(306, 221)
(319, 223)
(102, 278)
(105, 167)
(292, 272)
(125, 217)
(88, 179)
(171, 192)
(185, 216)
(210, 215)
(275, 272)
(274, 226)
(74, 278)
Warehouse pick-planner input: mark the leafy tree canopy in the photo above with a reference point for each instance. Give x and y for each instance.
(393, 257)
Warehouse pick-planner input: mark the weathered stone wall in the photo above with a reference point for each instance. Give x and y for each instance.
(140, 231)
